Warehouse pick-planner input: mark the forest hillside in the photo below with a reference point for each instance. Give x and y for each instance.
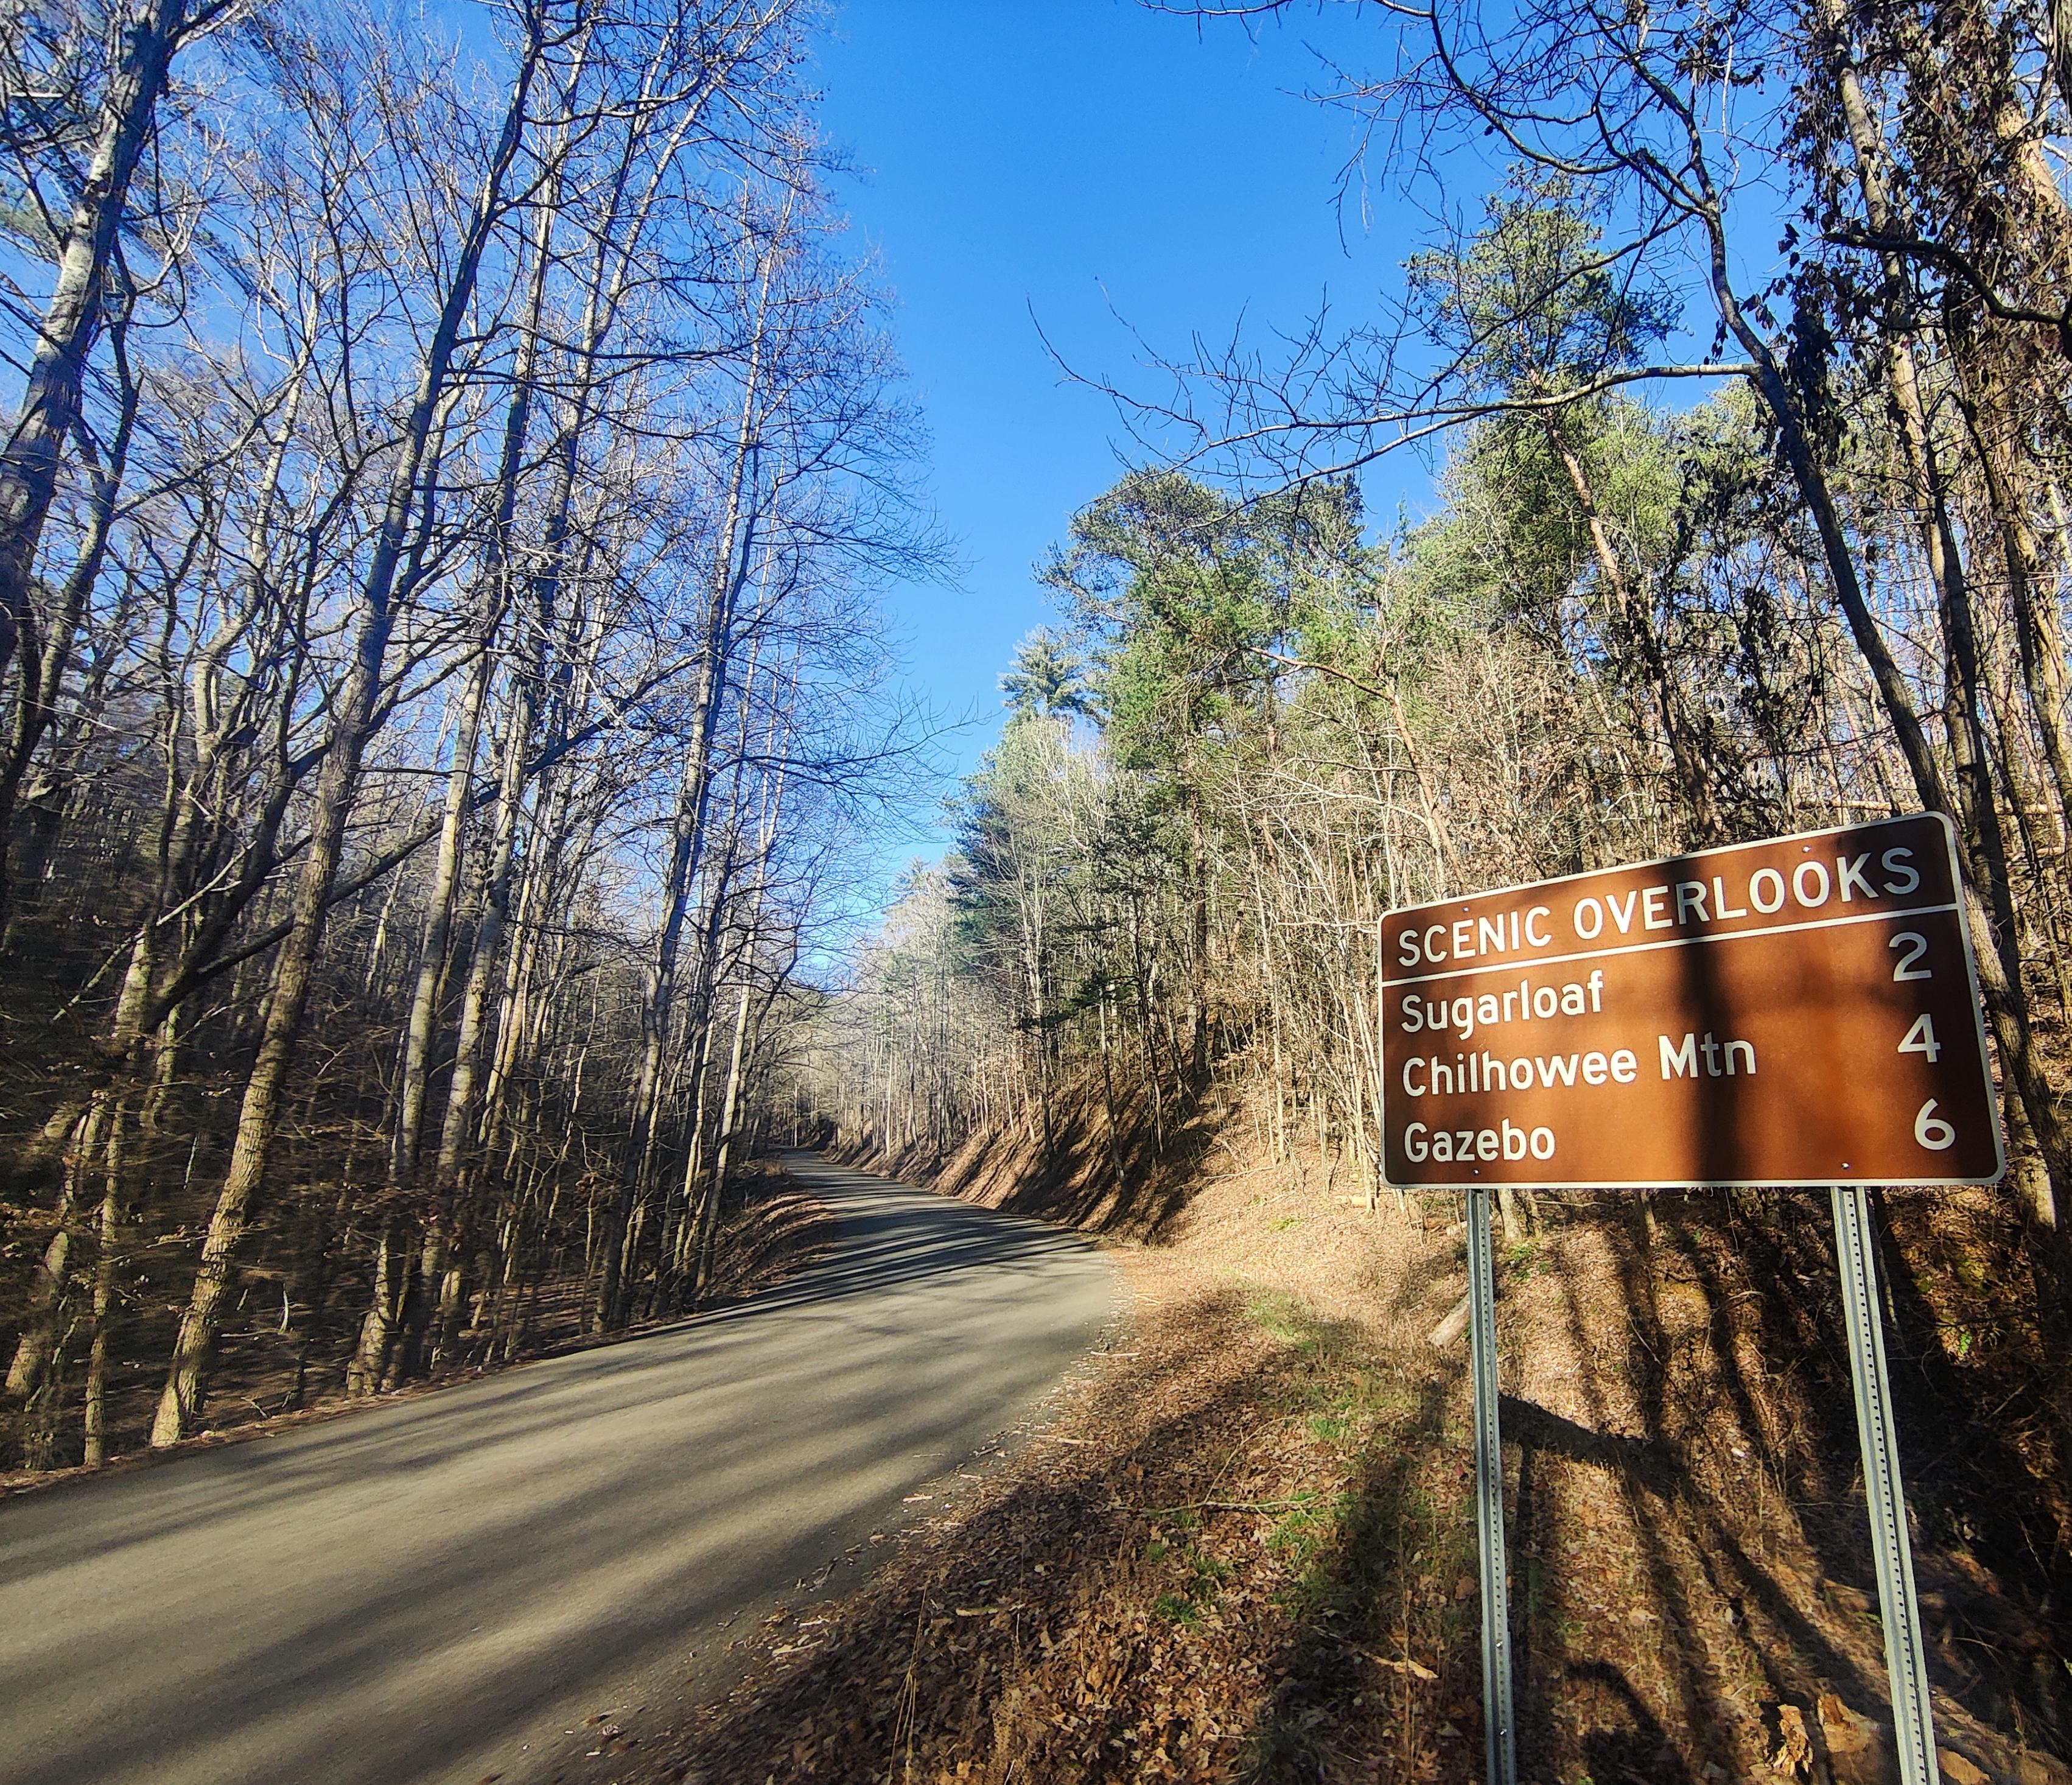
(1711, 558)
(448, 710)
(437, 543)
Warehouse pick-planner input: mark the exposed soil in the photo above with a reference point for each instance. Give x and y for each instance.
(1244, 1550)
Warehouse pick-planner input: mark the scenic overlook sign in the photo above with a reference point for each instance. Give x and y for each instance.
(1802, 1010)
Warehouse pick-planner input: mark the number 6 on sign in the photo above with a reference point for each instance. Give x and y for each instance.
(1920, 1038)
(1933, 1132)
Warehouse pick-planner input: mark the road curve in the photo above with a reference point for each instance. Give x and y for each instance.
(439, 1588)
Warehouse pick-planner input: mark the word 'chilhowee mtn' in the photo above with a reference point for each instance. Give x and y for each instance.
(1801, 1010)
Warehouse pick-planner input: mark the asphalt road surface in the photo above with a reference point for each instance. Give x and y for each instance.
(440, 1589)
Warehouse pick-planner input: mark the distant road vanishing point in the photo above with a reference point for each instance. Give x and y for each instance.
(438, 1589)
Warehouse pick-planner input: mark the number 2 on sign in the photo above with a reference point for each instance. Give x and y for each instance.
(1920, 1038)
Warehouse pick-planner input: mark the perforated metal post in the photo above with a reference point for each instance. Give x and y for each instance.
(1498, 1725)
(1913, 1720)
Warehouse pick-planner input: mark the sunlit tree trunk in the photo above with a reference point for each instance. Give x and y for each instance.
(352, 718)
(50, 406)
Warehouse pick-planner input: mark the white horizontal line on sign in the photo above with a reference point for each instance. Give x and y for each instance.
(1514, 965)
(1838, 1176)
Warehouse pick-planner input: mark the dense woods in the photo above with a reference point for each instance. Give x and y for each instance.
(451, 731)
(1831, 587)
(1747, 384)
(441, 695)
(450, 460)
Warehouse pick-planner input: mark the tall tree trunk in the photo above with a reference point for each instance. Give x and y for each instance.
(421, 1025)
(1984, 855)
(433, 968)
(35, 1346)
(1198, 965)
(723, 1152)
(44, 654)
(108, 1258)
(1638, 635)
(352, 721)
(732, 556)
(2006, 1004)
(773, 803)
(49, 405)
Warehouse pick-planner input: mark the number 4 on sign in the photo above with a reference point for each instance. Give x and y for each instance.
(1920, 1038)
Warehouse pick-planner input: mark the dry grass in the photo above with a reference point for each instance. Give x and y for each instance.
(1215, 1563)
(1243, 1551)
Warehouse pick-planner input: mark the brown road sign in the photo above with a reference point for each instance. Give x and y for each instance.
(1798, 1011)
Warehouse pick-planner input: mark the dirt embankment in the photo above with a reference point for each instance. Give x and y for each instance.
(1242, 1551)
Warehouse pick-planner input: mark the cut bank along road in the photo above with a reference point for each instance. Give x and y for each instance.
(440, 1589)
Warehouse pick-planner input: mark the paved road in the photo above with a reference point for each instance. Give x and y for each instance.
(438, 1589)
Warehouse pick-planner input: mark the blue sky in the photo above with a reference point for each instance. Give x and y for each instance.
(1086, 165)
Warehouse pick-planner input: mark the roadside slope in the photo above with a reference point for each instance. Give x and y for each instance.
(441, 1588)
(1245, 1551)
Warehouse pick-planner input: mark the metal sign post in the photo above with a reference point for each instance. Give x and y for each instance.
(1907, 1666)
(1802, 1010)
(1498, 1725)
